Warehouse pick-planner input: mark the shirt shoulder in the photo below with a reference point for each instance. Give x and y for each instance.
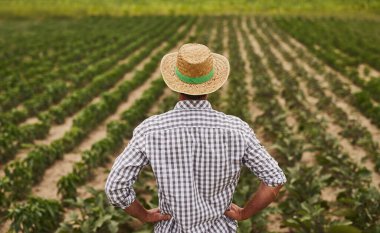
(209, 118)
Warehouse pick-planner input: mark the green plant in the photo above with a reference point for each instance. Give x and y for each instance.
(95, 215)
(37, 215)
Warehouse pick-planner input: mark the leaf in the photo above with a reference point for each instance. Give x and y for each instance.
(343, 229)
(113, 227)
(102, 220)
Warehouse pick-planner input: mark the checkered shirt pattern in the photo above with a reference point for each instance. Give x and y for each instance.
(196, 154)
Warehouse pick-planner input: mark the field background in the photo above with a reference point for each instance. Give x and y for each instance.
(76, 77)
(138, 7)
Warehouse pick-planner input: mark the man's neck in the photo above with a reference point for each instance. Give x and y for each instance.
(185, 97)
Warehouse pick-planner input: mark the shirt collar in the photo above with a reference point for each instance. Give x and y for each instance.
(193, 104)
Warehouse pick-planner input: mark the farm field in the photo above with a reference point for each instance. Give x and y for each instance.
(80, 8)
(70, 99)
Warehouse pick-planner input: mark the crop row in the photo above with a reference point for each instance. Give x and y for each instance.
(48, 221)
(66, 72)
(43, 49)
(353, 42)
(352, 129)
(21, 175)
(363, 99)
(97, 155)
(56, 90)
(334, 162)
(12, 136)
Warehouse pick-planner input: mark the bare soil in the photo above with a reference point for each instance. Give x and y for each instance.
(372, 73)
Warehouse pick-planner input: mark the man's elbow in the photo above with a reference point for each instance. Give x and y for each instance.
(276, 183)
(281, 183)
(108, 191)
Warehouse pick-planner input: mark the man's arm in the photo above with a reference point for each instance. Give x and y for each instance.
(261, 199)
(124, 172)
(123, 175)
(138, 211)
(119, 188)
(259, 161)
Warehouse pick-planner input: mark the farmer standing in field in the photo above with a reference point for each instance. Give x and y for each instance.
(196, 154)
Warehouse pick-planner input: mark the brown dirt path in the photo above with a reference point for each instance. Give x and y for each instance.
(355, 153)
(372, 73)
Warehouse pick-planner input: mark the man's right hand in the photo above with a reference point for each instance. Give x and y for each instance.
(235, 212)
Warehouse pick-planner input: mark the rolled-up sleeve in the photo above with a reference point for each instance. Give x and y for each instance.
(124, 173)
(261, 163)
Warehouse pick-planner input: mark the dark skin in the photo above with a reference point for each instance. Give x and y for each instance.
(259, 200)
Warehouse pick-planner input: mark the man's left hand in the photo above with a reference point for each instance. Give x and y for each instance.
(154, 215)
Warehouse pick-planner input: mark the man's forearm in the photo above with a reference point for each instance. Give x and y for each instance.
(261, 199)
(136, 210)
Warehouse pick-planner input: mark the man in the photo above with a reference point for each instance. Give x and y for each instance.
(196, 154)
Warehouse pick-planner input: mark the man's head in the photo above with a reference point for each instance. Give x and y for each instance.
(194, 71)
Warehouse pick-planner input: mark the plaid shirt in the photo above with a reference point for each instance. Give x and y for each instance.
(196, 154)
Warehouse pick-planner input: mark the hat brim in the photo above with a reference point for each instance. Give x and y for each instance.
(221, 72)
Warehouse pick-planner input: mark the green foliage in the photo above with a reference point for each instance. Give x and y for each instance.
(95, 215)
(12, 137)
(300, 205)
(343, 229)
(37, 215)
(362, 208)
(130, 7)
(347, 44)
(23, 174)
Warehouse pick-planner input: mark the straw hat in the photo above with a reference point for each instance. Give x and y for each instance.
(194, 70)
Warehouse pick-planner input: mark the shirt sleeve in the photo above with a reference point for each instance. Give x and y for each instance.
(124, 173)
(261, 163)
